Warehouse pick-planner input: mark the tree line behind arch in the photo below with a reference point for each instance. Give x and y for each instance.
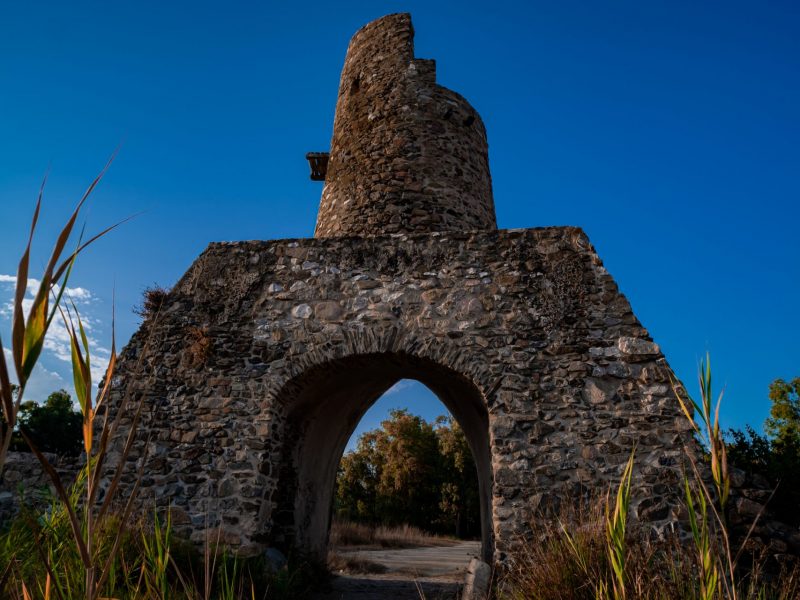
(411, 471)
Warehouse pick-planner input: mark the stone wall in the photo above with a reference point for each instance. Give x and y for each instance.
(754, 525)
(23, 478)
(266, 355)
(406, 154)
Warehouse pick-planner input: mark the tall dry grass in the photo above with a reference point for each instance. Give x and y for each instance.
(27, 342)
(555, 566)
(28, 333)
(347, 533)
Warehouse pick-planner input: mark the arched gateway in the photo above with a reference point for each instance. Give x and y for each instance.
(266, 354)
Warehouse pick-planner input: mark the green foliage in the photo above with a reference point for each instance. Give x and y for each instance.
(36, 540)
(783, 425)
(615, 535)
(411, 471)
(776, 455)
(149, 564)
(460, 502)
(53, 426)
(156, 558)
(749, 450)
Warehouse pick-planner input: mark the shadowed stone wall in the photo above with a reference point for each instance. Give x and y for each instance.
(523, 333)
(23, 480)
(266, 354)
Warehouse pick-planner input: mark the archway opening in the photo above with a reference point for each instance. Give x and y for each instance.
(322, 407)
(407, 477)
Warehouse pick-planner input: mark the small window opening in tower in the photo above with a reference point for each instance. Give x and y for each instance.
(406, 493)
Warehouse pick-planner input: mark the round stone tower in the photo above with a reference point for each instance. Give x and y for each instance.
(407, 155)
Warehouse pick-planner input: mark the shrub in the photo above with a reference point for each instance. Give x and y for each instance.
(200, 346)
(153, 299)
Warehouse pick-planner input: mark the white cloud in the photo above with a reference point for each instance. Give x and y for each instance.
(51, 374)
(398, 387)
(57, 340)
(44, 382)
(79, 295)
(42, 378)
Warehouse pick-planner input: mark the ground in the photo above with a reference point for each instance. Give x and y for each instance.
(411, 573)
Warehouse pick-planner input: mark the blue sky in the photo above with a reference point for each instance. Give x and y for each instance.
(667, 130)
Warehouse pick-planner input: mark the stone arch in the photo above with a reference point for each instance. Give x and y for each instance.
(321, 407)
(521, 333)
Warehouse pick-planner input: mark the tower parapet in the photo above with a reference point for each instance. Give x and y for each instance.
(407, 155)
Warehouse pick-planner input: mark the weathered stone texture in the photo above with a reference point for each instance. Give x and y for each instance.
(23, 479)
(522, 334)
(407, 154)
(753, 525)
(267, 354)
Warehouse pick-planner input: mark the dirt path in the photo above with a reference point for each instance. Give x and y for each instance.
(436, 572)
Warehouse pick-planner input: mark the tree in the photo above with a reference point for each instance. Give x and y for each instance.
(411, 471)
(53, 426)
(749, 450)
(356, 482)
(460, 502)
(775, 455)
(783, 424)
(408, 483)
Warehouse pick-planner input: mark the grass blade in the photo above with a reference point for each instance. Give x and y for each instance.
(18, 324)
(65, 264)
(6, 396)
(64, 497)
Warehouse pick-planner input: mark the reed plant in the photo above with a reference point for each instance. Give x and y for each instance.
(615, 536)
(27, 342)
(705, 506)
(28, 334)
(84, 544)
(156, 555)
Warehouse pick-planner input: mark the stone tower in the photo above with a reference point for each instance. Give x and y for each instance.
(407, 155)
(266, 354)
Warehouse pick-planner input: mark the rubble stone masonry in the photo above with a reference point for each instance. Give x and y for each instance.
(407, 154)
(266, 354)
